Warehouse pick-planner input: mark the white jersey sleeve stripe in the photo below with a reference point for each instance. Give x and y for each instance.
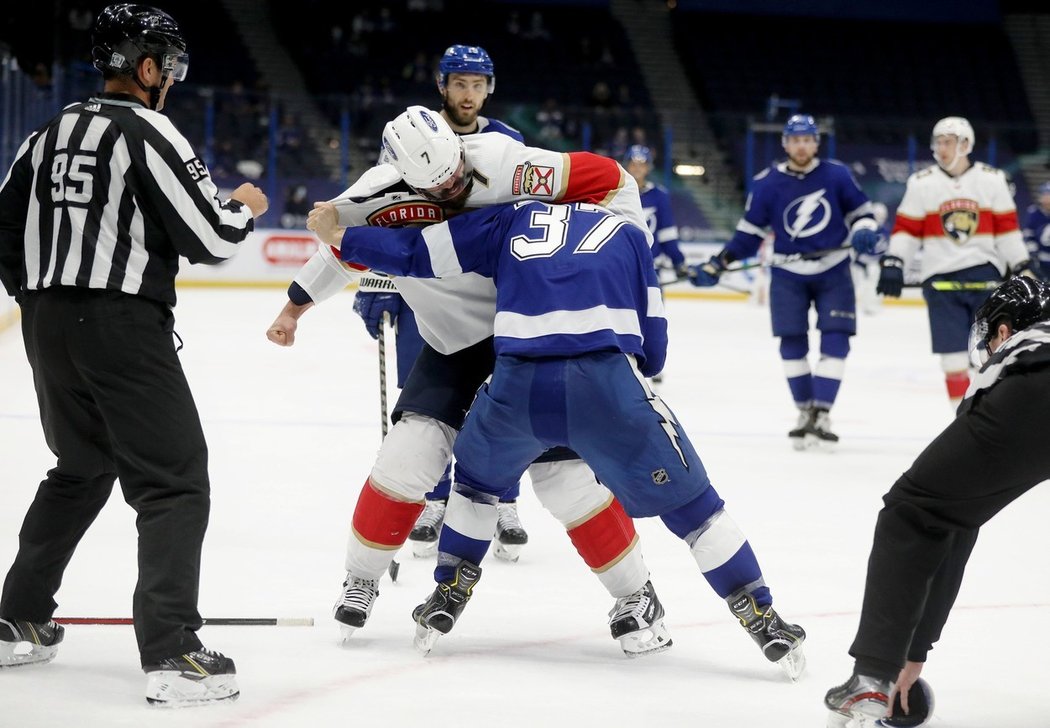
(655, 308)
(443, 258)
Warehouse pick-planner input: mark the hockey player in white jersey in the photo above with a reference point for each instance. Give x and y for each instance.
(579, 326)
(962, 216)
(436, 170)
(465, 78)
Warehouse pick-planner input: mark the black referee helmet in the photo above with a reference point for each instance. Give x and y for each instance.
(125, 33)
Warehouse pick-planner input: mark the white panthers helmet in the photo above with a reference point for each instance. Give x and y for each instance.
(957, 126)
(423, 147)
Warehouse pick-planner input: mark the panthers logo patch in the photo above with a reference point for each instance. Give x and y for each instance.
(532, 179)
(959, 219)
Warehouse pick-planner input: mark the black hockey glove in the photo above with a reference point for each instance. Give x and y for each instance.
(891, 277)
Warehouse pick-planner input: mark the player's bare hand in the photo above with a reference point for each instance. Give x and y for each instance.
(282, 331)
(905, 680)
(323, 220)
(253, 197)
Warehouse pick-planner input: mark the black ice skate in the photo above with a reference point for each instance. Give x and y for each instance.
(860, 702)
(780, 641)
(438, 615)
(802, 429)
(424, 535)
(820, 433)
(28, 643)
(637, 620)
(200, 677)
(355, 604)
(510, 534)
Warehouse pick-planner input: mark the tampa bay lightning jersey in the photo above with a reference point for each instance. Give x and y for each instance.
(488, 126)
(806, 211)
(1036, 235)
(656, 205)
(570, 279)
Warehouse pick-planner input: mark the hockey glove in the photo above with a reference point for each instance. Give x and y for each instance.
(891, 277)
(707, 274)
(371, 307)
(868, 242)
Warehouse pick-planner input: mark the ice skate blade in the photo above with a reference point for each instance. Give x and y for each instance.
(507, 552)
(345, 633)
(425, 639)
(644, 642)
(820, 445)
(171, 689)
(20, 654)
(424, 549)
(793, 663)
(799, 443)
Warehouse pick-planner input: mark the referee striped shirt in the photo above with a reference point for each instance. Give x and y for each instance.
(108, 195)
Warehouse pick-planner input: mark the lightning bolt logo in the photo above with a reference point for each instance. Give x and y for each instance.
(805, 208)
(669, 425)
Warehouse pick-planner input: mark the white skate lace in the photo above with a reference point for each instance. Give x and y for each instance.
(432, 515)
(633, 605)
(360, 593)
(507, 517)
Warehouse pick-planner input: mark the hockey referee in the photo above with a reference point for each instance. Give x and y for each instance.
(94, 214)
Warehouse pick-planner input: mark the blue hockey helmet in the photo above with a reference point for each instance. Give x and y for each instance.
(638, 153)
(801, 125)
(466, 59)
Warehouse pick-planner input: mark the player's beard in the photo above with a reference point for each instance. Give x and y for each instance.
(801, 160)
(457, 118)
(459, 202)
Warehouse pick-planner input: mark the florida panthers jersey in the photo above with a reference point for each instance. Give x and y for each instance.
(656, 205)
(570, 279)
(960, 222)
(806, 211)
(503, 171)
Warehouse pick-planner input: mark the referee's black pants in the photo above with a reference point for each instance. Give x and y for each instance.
(986, 458)
(114, 403)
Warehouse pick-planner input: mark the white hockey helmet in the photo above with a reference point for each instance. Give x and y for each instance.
(423, 147)
(956, 126)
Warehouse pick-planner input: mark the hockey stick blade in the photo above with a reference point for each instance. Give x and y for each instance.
(213, 621)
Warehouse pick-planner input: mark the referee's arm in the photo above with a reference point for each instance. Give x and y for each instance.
(14, 207)
(203, 228)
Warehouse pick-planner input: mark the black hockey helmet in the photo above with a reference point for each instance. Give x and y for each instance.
(125, 33)
(1019, 303)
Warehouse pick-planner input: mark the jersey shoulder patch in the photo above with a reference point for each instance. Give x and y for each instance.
(989, 169)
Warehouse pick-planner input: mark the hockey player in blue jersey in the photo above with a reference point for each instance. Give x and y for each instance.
(656, 204)
(1036, 229)
(465, 78)
(813, 207)
(579, 325)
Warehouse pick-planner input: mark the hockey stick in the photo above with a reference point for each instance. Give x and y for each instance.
(394, 566)
(963, 285)
(785, 260)
(382, 372)
(214, 621)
